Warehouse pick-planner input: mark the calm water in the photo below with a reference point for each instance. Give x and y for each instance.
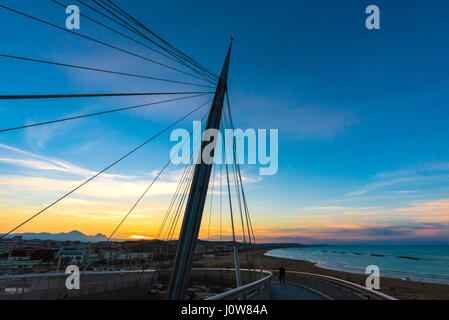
(432, 266)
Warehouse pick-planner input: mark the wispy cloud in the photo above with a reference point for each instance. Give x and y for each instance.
(26, 159)
(376, 186)
(426, 212)
(421, 168)
(107, 196)
(297, 122)
(414, 221)
(408, 180)
(356, 233)
(110, 188)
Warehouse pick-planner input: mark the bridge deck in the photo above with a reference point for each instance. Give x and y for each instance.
(291, 292)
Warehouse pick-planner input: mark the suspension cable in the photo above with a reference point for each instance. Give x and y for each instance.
(248, 216)
(239, 182)
(130, 28)
(211, 202)
(100, 70)
(105, 169)
(146, 191)
(90, 38)
(181, 193)
(91, 95)
(221, 204)
(96, 113)
(236, 185)
(186, 171)
(165, 42)
(132, 39)
(229, 196)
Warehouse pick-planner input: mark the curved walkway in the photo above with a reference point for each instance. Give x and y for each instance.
(291, 292)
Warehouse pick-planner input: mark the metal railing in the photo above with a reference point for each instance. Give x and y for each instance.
(257, 290)
(124, 285)
(95, 285)
(348, 285)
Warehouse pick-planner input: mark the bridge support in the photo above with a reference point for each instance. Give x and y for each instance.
(188, 237)
(237, 265)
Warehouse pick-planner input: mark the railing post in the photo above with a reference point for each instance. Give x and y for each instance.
(260, 267)
(237, 266)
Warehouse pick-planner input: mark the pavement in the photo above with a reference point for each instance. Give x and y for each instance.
(292, 292)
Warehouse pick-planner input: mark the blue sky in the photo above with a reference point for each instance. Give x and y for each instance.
(362, 115)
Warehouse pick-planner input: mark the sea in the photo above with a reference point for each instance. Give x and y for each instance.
(415, 263)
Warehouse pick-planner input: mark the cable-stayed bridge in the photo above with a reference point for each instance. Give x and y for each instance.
(184, 215)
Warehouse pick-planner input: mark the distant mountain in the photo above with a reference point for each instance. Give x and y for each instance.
(70, 236)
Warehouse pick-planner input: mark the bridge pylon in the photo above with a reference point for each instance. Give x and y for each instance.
(188, 237)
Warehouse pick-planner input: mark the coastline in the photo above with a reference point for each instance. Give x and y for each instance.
(349, 268)
(398, 288)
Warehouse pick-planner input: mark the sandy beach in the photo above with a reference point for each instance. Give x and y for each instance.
(401, 289)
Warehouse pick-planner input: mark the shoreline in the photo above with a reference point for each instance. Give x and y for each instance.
(398, 288)
(395, 287)
(316, 264)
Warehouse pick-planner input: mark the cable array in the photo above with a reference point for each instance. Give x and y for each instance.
(121, 23)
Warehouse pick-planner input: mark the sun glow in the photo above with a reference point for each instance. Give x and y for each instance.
(137, 237)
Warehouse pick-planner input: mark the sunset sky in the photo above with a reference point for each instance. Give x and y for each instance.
(362, 118)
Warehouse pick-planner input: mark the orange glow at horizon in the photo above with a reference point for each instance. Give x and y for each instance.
(137, 237)
(91, 218)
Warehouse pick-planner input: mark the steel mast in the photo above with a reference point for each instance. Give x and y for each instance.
(188, 237)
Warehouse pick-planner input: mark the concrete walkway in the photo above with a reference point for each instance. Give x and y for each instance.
(292, 292)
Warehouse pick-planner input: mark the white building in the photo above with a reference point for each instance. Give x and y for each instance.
(112, 256)
(76, 255)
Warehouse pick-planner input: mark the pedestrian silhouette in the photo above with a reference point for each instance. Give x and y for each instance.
(282, 275)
